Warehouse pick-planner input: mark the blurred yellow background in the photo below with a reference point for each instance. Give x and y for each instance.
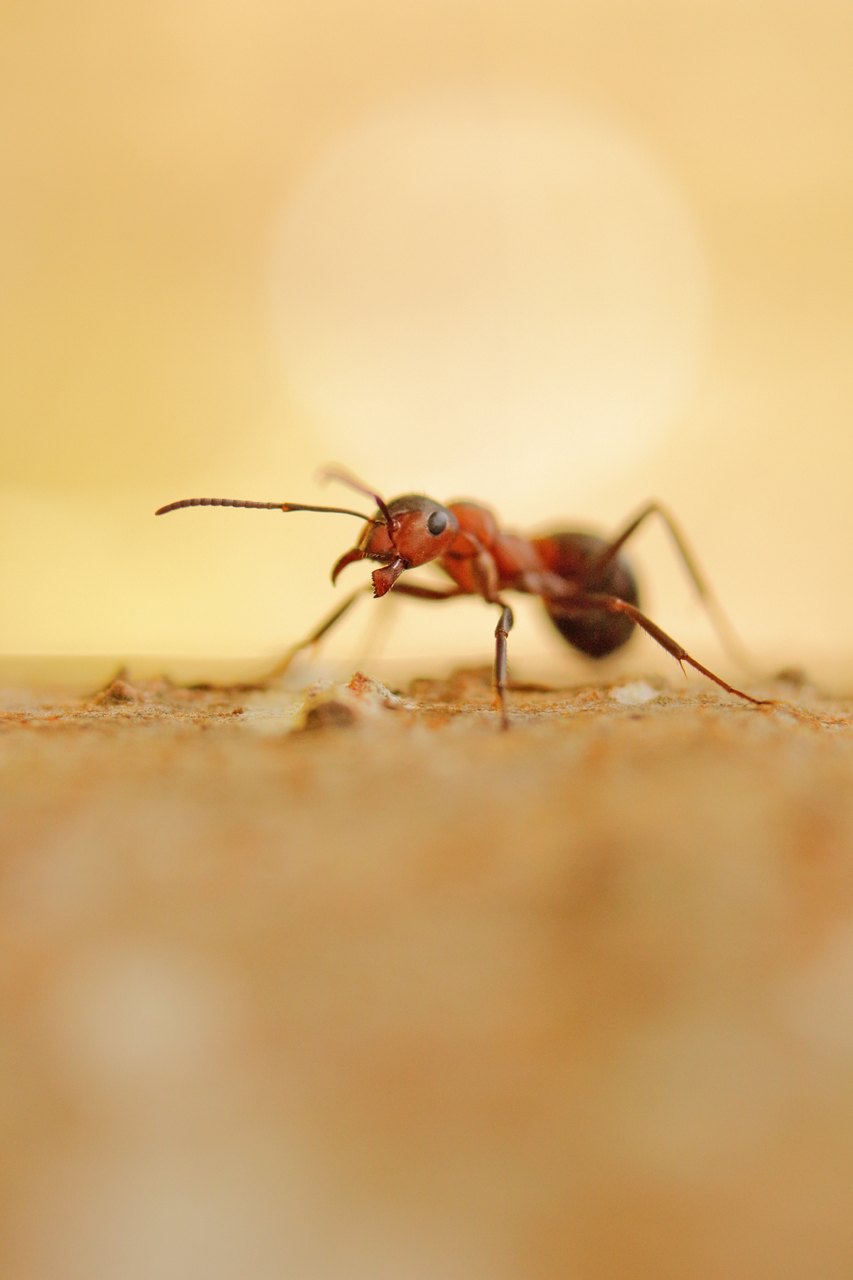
(559, 257)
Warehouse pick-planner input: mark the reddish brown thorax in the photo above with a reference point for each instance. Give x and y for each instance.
(478, 529)
(513, 556)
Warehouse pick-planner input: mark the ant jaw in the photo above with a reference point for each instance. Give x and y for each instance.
(349, 557)
(384, 578)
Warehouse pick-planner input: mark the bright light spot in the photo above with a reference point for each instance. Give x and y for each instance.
(138, 1016)
(491, 296)
(819, 1000)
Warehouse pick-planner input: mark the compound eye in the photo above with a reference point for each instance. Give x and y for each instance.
(437, 523)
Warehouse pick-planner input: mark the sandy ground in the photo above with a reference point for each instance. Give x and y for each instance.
(371, 989)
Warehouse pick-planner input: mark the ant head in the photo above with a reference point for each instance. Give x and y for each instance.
(405, 533)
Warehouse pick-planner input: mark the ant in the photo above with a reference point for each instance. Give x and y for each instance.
(587, 588)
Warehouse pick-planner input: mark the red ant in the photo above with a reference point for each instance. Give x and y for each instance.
(588, 590)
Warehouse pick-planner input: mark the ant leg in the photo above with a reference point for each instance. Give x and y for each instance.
(382, 617)
(502, 630)
(612, 604)
(725, 632)
(400, 588)
(381, 620)
(281, 667)
(379, 626)
(418, 592)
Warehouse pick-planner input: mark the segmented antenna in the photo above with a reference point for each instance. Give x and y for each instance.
(264, 506)
(339, 473)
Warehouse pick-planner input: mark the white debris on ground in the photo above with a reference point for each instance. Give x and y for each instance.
(634, 694)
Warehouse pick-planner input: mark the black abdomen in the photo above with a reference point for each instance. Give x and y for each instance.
(572, 556)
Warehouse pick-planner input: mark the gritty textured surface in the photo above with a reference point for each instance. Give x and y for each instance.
(362, 987)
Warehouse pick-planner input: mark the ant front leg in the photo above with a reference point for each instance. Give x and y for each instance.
(502, 630)
(484, 571)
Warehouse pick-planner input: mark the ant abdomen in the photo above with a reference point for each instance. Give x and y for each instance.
(573, 556)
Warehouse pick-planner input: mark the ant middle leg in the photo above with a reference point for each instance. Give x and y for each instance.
(315, 637)
(399, 588)
(417, 592)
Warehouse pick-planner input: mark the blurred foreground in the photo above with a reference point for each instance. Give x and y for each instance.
(413, 998)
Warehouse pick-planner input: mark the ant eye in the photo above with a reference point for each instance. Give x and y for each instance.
(437, 523)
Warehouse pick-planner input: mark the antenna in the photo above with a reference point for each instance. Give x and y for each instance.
(264, 506)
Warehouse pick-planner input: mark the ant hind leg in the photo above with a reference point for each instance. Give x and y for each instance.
(612, 604)
(724, 629)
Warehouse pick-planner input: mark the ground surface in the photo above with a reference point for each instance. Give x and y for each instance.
(368, 988)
